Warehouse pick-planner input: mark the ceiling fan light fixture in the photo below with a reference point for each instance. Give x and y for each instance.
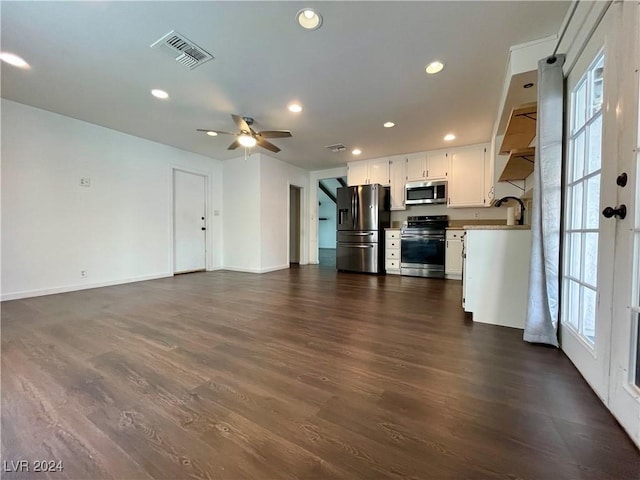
(309, 19)
(434, 67)
(247, 141)
(211, 133)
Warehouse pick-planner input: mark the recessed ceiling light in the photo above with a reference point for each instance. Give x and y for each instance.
(247, 141)
(159, 93)
(211, 133)
(14, 60)
(309, 19)
(449, 136)
(295, 108)
(528, 85)
(434, 67)
(389, 124)
(356, 151)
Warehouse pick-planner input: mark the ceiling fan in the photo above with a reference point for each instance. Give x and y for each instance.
(247, 136)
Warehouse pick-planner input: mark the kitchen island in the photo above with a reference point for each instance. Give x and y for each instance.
(496, 273)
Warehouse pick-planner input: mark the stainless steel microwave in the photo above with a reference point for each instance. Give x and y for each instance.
(425, 192)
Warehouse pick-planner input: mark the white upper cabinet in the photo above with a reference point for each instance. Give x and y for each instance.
(437, 166)
(467, 176)
(357, 173)
(416, 167)
(368, 172)
(397, 175)
(427, 166)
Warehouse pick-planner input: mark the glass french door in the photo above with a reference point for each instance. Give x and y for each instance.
(588, 242)
(624, 389)
(600, 304)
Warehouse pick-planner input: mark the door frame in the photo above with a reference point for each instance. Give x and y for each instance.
(301, 221)
(207, 208)
(314, 179)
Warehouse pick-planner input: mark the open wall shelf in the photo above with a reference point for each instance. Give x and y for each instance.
(521, 129)
(519, 166)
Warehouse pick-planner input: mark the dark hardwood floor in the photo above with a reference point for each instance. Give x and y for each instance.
(301, 373)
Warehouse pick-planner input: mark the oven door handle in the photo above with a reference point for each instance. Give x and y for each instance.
(425, 237)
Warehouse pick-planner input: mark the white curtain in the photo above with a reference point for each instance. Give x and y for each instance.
(542, 310)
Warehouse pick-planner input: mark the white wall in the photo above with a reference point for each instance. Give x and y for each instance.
(256, 218)
(241, 213)
(118, 230)
(275, 179)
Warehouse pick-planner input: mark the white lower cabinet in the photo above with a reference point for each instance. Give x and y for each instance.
(392, 251)
(453, 255)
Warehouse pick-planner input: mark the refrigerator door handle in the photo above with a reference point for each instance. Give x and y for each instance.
(353, 208)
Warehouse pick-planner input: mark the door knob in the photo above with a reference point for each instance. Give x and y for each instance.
(619, 212)
(622, 180)
(204, 228)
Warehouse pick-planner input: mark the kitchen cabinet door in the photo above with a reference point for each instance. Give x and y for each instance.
(453, 255)
(437, 166)
(398, 175)
(357, 173)
(379, 171)
(466, 177)
(416, 167)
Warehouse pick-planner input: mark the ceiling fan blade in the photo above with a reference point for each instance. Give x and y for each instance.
(240, 122)
(234, 145)
(219, 132)
(275, 134)
(268, 145)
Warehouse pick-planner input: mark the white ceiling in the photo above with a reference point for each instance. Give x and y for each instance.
(364, 66)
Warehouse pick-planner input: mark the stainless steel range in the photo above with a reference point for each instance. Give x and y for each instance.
(422, 246)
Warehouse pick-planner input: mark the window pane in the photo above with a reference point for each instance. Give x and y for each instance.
(594, 153)
(591, 259)
(596, 86)
(576, 206)
(592, 200)
(573, 303)
(578, 156)
(589, 313)
(574, 257)
(580, 106)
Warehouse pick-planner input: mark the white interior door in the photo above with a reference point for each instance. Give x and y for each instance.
(588, 242)
(189, 214)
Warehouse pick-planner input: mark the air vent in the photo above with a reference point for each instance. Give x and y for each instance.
(337, 148)
(183, 50)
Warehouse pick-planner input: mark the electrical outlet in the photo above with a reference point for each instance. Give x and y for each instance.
(83, 274)
(85, 182)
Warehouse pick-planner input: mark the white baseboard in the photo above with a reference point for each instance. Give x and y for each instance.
(255, 270)
(74, 288)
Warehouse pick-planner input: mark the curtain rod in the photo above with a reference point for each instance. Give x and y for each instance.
(564, 30)
(588, 37)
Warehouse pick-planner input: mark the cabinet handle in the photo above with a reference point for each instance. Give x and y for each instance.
(427, 174)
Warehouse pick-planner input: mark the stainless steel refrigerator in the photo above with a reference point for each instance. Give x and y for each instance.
(363, 214)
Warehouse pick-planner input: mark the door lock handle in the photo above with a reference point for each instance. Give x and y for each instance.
(204, 228)
(619, 212)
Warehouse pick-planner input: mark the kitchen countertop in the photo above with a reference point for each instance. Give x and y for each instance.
(497, 227)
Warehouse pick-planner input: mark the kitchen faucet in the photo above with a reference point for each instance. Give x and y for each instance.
(509, 197)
